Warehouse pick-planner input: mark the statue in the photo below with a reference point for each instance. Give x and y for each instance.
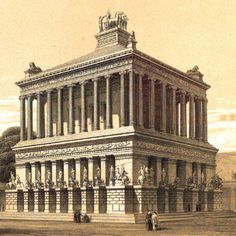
(33, 69)
(121, 176)
(193, 70)
(85, 177)
(107, 22)
(38, 183)
(49, 183)
(28, 183)
(146, 176)
(12, 181)
(98, 180)
(194, 177)
(112, 175)
(216, 182)
(72, 180)
(163, 175)
(60, 181)
(19, 184)
(202, 178)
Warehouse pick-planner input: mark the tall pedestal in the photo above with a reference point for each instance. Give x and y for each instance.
(26, 200)
(145, 198)
(58, 200)
(100, 199)
(203, 196)
(11, 200)
(195, 199)
(166, 200)
(36, 200)
(119, 199)
(217, 200)
(179, 200)
(46, 200)
(87, 199)
(74, 199)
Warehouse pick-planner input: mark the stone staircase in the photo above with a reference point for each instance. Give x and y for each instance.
(98, 218)
(216, 214)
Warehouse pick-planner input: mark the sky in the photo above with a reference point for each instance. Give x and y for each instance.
(180, 33)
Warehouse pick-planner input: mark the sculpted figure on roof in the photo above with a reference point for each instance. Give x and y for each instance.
(108, 22)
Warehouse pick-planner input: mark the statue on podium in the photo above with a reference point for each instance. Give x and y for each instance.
(49, 183)
(72, 180)
(85, 177)
(112, 176)
(60, 181)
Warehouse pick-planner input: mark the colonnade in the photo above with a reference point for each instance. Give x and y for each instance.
(163, 108)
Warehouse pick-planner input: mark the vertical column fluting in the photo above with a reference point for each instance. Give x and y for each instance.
(71, 109)
(177, 116)
(108, 102)
(152, 105)
(204, 120)
(40, 116)
(60, 130)
(29, 117)
(140, 101)
(49, 114)
(183, 126)
(22, 118)
(78, 171)
(104, 170)
(198, 117)
(131, 98)
(122, 99)
(163, 107)
(173, 109)
(43, 172)
(95, 104)
(54, 172)
(83, 107)
(191, 115)
(66, 171)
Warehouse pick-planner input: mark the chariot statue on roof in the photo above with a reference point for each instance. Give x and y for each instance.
(108, 22)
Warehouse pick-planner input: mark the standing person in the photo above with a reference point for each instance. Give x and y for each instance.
(154, 220)
(78, 216)
(148, 220)
(75, 216)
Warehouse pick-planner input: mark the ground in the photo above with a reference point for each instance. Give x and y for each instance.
(200, 226)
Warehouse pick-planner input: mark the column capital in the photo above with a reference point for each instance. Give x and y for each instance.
(71, 85)
(83, 82)
(162, 82)
(173, 87)
(21, 97)
(107, 76)
(95, 79)
(122, 72)
(49, 90)
(182, 92)
(60, 88)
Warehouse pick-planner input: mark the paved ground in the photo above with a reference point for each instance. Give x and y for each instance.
(201, 226)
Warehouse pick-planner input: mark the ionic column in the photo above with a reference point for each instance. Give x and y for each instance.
(33, 172)
(71, 109)
(43, 172)
(198, 118)
(171, 170)
(183, 126)
(60, 130)
(204, 121)
(122, 99)
(104, 170)
(78, 171)
(22, 118)
(29, 117)
(108, 102)
(54, 172)
(49, 114)
(66, 171)
(95, 104)
(91, 169)
(40, 116)
(177, 118)
(140, 101)
(158, 170)
(173, 109)
(191, 116)
(163, 107)
(83, 108)
(152, 105)
(131, 98)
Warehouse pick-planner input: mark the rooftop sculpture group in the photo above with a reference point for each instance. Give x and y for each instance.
(107, 22)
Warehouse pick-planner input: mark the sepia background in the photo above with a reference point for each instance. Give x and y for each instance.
(181, 33)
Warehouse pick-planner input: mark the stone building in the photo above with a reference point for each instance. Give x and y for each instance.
(117, 131)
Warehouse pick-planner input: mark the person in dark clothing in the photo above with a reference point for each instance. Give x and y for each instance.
(148, 221)
(75, 216)
(78, 216)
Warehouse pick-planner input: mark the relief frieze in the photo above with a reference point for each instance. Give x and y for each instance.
(86, 149)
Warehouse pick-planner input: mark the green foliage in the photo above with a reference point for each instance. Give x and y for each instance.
(10, 137)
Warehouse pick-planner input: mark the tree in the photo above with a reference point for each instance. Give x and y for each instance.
(10, 137)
